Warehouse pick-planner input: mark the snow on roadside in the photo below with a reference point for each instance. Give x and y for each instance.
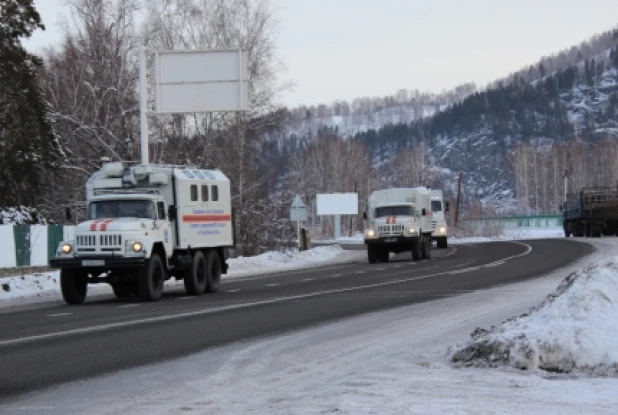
(575, 329)
(46, 285)
(513, 234)
(270, 262)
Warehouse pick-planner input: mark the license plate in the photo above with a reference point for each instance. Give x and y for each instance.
(93, 262)
(390, 240)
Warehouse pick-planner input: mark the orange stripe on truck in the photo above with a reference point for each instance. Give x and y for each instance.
(206, 218)
(105, 223)
(93, 225)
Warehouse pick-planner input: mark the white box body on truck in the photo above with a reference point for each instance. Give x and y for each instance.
(438, 210)
(145, 224)
(398, 220)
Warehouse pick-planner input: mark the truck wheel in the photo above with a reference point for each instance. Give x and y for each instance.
(213, 278)
(416, 249)
(74, 285)
(372, 255)
(383, 255)
(426, 247)
(123, 290)
(442, 242)
(150, 279)
(195, 278)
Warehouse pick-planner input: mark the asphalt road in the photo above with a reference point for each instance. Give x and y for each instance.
(54, 344)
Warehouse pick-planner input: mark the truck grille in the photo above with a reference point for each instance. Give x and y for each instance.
(390, 229)
(104, 243)
(111, 240)
(86, 240)
(434, 224)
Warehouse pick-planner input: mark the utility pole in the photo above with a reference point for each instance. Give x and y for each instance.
(352, 216)
(458, 199)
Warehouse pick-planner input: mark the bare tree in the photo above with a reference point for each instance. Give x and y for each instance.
(90, 82)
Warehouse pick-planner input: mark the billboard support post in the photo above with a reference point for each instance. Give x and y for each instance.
(143, 100)
(337, 227)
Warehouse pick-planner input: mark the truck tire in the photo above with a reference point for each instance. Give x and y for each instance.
(150, 279)
(213, 277)
(416, 249)
(372, 255)
(442, 242)
(74, 285)
(426, 246)
(123, 290)
(195, 278)
(383, 255)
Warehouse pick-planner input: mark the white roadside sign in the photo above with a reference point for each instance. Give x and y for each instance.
(188, 81)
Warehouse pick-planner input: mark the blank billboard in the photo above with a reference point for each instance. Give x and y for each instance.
(337, 204)
(201, 81)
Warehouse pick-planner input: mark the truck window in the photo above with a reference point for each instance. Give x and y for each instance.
(204, 193)
(198, 174)
(394, 211)
(436, 206)
(121, 209)
(188, 174)
(194, 193)
(161, 210)
(215, 193)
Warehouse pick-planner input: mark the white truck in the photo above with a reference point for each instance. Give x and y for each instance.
(399, 220)
(147, 223)
(438, 209)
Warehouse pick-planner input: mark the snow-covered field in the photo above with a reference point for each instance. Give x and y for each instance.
(45, 286)
(390, 362)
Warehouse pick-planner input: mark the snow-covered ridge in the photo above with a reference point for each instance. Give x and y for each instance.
(575, 329)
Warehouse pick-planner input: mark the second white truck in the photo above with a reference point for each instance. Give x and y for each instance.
(438, 209)
(398, 220)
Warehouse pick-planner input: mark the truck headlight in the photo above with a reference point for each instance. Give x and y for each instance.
(412, 231)
(137, 246)
(442, 229)
(370, 233)
(66, 249)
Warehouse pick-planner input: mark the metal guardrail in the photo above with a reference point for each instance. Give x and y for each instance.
(538, 221)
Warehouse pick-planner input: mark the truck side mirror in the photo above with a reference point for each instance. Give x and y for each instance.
(67, 214)
(365, 215)
(424, 212)
(447, 206)
(171, 212)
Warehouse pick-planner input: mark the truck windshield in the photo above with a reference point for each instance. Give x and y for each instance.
(121, 209)
(394, 211)
(436, 206)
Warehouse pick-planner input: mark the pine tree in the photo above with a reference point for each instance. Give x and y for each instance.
(28, 145)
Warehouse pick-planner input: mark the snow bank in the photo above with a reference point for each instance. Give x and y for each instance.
(35, 285)
(46, 285)
(270, 262)
(575, 329)
(513, 234)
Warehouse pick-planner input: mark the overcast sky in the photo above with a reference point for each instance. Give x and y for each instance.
(344, 49)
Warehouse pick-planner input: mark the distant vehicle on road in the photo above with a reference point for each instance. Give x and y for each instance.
(591, 212)
(399, 220)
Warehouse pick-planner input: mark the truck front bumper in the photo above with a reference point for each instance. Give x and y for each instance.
(98, 262)
(396, 239)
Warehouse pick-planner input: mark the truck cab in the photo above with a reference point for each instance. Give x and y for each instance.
(438, 209)
(398, 220)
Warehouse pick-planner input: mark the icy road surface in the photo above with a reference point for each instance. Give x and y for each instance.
(392, 362)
